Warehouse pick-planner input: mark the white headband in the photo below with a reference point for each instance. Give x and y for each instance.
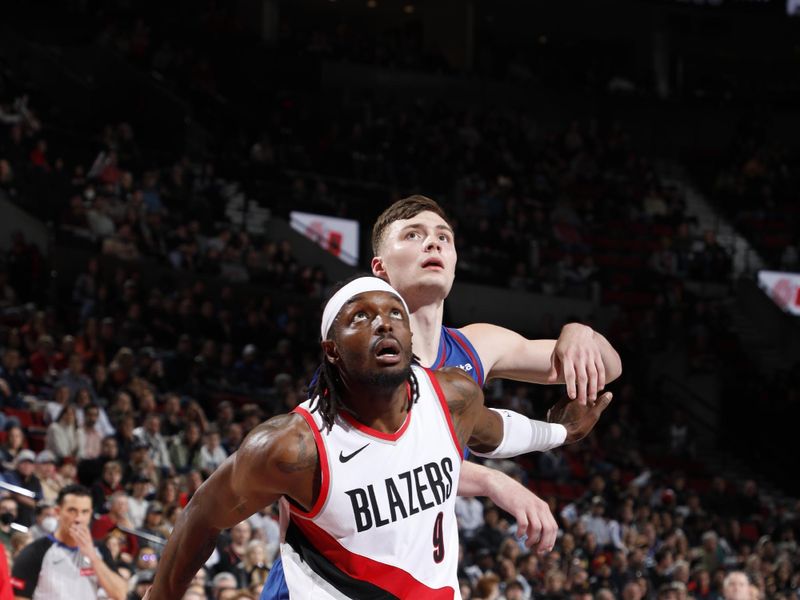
(355, 287)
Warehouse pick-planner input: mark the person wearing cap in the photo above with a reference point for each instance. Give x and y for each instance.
(140, 487)
(370, 464)
(66, 565)
(23, 476)
(154, 521)
(45, 471)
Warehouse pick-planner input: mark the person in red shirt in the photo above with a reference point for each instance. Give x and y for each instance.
(116, 516)
(5, 578)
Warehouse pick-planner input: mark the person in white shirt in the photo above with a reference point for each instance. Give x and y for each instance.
(212, 454)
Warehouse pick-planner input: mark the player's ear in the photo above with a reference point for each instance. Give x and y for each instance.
(378, 269)
(331, 353)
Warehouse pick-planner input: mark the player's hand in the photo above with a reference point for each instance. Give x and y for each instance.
(533, 516)
(80, 533)
(578, 419)
(577, 358)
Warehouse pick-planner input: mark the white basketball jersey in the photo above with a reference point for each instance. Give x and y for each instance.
(384, 524)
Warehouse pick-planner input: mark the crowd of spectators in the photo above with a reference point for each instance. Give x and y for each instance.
(756, 188)
(139, 388)
(119, 409)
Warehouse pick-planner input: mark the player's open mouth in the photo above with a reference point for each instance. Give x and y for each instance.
(433, 263)
(388, 351)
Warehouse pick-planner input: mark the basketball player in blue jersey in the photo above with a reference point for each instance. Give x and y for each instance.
(370, 465)
(414, 249)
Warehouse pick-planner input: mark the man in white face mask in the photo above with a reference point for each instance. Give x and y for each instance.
(46, 520)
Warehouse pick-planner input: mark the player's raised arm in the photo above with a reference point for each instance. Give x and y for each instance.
(581, 358)
(278, 457)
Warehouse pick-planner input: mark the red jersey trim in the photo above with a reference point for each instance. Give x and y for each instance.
(325, 473)
(466, 345)
(387, 577)
(17, 584)
(388, 437)
(445, 409)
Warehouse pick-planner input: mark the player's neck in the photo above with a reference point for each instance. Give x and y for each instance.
(382, 410)
(426, 325)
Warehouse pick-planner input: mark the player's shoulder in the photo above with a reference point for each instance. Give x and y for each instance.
(277, 439)
(454, 380)
(482, 332)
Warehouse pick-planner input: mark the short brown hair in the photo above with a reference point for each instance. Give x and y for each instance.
(403, 209)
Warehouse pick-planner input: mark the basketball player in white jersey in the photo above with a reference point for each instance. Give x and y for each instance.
(370, 465)
(414, 250)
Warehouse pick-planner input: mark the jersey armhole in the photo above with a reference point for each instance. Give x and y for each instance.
(445, 410)
(325, 478)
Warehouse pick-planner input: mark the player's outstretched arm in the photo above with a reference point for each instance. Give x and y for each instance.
(581, 358)
(532, 514)
(496, 433)
(278, 457)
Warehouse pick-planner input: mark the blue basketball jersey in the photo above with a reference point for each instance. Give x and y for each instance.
(455, 350)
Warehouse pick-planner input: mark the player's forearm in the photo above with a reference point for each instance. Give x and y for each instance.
(477, 480)
(474, 480)
(189, 546)
(113, 584)
(515, 435)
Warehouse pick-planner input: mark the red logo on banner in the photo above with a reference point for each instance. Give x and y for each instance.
(335, 243)
(782, 292)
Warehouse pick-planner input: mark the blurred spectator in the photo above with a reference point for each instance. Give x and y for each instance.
(46, 520)
(23, 476)
(62, 434)
(212, 454)
(45, 472)
(89, 437)
(137, 500)
(13, 381)
(14, 443)
(116, 517)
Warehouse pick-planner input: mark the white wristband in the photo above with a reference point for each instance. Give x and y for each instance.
(522, 435)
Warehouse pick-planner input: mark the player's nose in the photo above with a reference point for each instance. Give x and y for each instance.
(382, 322)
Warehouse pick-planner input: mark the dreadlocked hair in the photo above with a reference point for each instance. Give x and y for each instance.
(325, 398)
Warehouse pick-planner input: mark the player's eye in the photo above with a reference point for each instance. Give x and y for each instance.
(397, 313)
(412, 235)
(444, 237)
(359, 316)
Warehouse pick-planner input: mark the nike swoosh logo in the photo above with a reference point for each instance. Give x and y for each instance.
(344, 459)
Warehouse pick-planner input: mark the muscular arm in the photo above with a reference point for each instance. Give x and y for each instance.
(484, 429)
(580, 357)
(278, 457)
